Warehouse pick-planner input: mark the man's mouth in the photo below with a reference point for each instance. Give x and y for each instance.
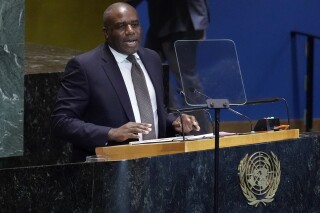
(131, 43)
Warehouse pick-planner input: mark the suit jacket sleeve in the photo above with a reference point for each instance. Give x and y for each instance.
(72, 101)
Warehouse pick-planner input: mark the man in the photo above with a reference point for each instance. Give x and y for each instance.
(97, 104)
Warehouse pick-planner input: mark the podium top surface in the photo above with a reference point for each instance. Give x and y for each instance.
(126, 152)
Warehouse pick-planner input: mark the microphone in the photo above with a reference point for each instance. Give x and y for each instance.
(232, 110)
(205, 107)
(188, 109)
(271, 100)
(238, 113)
(200, 93)
(262, 101)
(202, 107)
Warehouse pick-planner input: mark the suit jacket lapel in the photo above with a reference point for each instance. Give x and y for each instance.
(112, 70)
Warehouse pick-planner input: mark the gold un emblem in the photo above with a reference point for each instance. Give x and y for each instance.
(259, 177)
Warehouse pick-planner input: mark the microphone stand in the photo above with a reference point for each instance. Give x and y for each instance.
(182, 126)
(271, 100)
(187, 109)
(217, 105)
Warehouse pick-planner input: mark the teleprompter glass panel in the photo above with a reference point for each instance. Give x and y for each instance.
(209, 69)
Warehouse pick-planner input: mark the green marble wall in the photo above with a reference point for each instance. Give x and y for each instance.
(11, 77)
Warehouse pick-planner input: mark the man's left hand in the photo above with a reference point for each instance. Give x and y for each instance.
(189, 123)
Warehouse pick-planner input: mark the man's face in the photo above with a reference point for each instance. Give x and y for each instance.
(123, 31)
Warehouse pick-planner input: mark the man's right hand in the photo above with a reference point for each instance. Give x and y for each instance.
(128, 131)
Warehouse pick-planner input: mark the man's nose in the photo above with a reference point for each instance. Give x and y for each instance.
(129, 29)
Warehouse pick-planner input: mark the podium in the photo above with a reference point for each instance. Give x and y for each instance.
(126, 152)
(174, 177)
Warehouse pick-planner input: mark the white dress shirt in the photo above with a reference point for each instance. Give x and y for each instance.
(125, 69)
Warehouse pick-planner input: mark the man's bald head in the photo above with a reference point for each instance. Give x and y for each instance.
(122, 29)
(114, 8)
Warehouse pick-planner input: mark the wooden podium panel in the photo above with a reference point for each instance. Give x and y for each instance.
(125, 152)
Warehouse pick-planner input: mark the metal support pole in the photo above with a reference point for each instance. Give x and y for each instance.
(216, 159)
(309, 83)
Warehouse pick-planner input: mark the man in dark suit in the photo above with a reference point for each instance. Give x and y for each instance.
(97, 105)
(172, 20)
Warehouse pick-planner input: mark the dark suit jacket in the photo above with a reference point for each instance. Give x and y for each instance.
(93, 98)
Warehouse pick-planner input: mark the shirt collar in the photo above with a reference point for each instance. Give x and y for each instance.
(120, 58)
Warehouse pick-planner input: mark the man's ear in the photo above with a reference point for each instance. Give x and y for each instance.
(105, 33)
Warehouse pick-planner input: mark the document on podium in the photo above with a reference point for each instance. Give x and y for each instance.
(180, 138)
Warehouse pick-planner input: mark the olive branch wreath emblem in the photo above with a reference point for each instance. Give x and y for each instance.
(261, 163)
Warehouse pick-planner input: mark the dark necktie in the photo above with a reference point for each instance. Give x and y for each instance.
(142, 95)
